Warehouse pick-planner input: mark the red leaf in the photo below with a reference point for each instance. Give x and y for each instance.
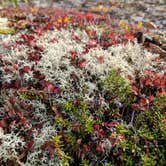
(129, 77)
(82, 64)
(26, 69)
(91, 44)
(86, 148)
(148, 82)
(7, 70)
(156, 82)
(100, 59)
(39, 31)
(163, 82)
(5, 45)
(44, 83)
(129, 36)
(96, 127)
(113, 42)
(164, 120)
(29, 145)
(53, 40)
(3, 123)
(10, 163)
(38, 75)
(28, 37)
(79, 141)
(49, 145)
(73, 55)
(90, 33)
(111, 34)
(76, 102)
(99, 148)
(11, 112)
(144, 101)
(32, 43)
(49, 88)
(24, 121)
(135, 90)
(76, 38)
(89, 16)
(101, 134)
(150, 98)
(76, 126)
(113, 123)
(20, 115)
(17, 84)
(135, 107)
(85, 51)
(12, 99)
(34, 56)
(15, 66)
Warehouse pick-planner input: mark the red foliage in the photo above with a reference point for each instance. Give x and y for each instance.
(136, 107)
(17, 84)
(85, 148)
(96, 127)
(112, 124)
(34, 56)
(28, 146)
(91, 33)
(25, 69)
(15, 66)
(6, 45)
(38, 30)
(91, 44)
(11, 112)
(100, 59)
(49, 87)
(73, 55)
(150, 85)
(28, 38)
(75, 38)
(3, 123)
(89, 16)
(129, 36)
(99, 148)
(49, 145)
(82, 64)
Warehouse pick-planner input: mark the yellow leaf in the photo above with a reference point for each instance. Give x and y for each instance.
(126, 27)
(7, 30)
(59, 20)
(56, 139)
(139, 24)
(121, 23)
(66, 19)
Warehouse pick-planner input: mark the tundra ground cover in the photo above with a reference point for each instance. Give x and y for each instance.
(77, 91)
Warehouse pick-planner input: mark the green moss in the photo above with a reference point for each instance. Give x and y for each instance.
(80, 113)
(84, 163)
(144, 143)
(116, 87)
